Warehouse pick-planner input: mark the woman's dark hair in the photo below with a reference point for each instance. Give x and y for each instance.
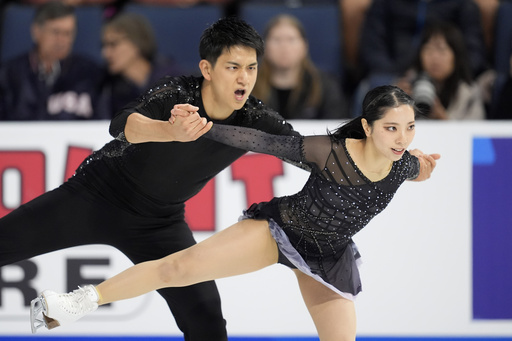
(376, 102)
(52, 10)
(138, 30)
(226, 33)
(462, 70)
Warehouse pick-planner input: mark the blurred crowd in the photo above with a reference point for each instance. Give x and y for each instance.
(442, 52)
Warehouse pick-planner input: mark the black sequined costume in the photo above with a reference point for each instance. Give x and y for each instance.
(313, 228)
(132, 196)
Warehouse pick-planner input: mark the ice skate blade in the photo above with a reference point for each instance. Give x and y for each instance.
(38, 307)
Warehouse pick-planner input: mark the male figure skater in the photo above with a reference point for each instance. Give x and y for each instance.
(131, 193)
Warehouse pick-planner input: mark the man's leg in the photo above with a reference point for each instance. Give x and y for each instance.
(49, 222)
(196, 308)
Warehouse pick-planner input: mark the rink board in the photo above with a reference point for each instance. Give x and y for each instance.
(234, 338)
(435, 262)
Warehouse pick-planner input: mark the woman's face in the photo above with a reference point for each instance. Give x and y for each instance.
(118, 51)
(284, 46)
(394, 132)
(437, 58)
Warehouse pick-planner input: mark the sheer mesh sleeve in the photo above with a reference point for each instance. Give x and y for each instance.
(317, 150)
(288, 148)
(414, 169)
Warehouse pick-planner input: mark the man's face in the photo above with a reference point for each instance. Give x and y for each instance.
(233, 77)
(55, 38)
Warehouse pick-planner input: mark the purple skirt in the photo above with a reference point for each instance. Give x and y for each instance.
(341, 275)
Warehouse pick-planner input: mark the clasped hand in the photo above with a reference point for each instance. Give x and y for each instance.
(188, 124)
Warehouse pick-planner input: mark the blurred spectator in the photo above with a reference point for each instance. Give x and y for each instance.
(353, 13)
(440, 80)
(111, 7)
(393, 28)
(289, 82)
(502, 103)
(69, 2)
(230, 7)
(130, 52)
(66, 2)
(392, 31)
(183, 3)
(48, 82)
(488, 9)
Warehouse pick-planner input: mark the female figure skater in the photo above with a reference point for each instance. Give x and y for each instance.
(355, 171)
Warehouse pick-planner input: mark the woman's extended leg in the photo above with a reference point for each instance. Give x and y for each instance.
(333, 315)
(244, 247)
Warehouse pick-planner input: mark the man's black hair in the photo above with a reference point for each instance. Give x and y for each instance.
(226, 33)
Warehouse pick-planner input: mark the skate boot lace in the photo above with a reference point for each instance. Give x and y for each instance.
(77, 303)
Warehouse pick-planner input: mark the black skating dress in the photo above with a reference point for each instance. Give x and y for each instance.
(314, 227)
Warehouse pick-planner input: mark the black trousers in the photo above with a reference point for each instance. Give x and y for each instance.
(73, 215)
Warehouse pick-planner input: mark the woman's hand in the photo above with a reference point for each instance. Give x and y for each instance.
(427, 163)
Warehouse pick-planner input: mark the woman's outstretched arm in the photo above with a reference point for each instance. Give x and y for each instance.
(289, 147)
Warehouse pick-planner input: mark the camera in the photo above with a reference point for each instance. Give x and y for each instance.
(424, 93)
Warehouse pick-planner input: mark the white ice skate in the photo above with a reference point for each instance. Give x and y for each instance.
(51, 309)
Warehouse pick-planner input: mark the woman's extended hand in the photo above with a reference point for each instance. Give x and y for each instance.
(427, 163)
